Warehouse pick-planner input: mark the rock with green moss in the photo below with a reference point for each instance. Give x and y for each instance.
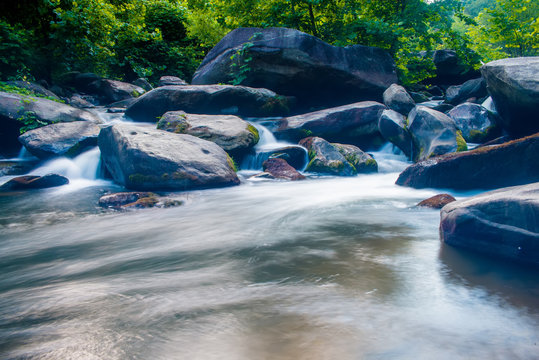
(324, 158)
(61, 139)
(433, 133)
(142, 158)
(360, 160)
(477, 124)
(228, 131)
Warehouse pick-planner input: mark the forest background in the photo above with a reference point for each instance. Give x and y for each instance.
(128, 39)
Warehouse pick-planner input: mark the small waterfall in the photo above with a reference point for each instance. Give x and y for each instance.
(390, 159)
(266, 146)
(85, 166)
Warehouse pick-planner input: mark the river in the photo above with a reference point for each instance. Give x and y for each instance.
(325, 268)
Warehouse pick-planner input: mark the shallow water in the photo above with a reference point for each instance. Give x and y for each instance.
(326, 268)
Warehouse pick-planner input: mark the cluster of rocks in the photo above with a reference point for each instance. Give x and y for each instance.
(331, 102)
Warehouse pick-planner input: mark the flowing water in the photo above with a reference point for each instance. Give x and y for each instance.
(325, 268)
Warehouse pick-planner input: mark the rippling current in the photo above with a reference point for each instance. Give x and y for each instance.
(326, 268)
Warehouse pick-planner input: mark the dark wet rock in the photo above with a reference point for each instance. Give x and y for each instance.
(476, 123)
(143, 83)
(514, 87)
(489, 167)
(29, 182)
(295, 155)
(346, 124)
(208, 99)
(16, 109)
(324, 158)
(293, 63)
(433, 133)
(80, 102)
(171, 80)
(228, 131)
(392, 126)
(437, 105)
(142, 158)
(36, 88)
(110, 91)
(450, 69)
(360, 160)
(501, 223)
(419, 97)
(396, 98)
(128, 199)
(16, 167)
(437, 201)
(280, 169)
(475, 88)
(61, 139)
(78, 81)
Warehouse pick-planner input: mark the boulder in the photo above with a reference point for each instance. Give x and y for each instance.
(110, 91)
(324, 158)
(280, 169)
(143, 83)
(392, 126)
(293, 63)
(361, 161)
(61, 139)
(208, 99)
(295, 155)
(35, 88)
(475, 88)
(16, 110)
(347, 124)
(501, 223)
(433, 133)
(449, 68)
(419, 97)
(437, 201)
(171, 80)
(489, 167)
(228, 131)
(142, 158)
(16, 167)
(80, 101)
(514, 87)
(396, 98)
(29, 182)
(475, 122)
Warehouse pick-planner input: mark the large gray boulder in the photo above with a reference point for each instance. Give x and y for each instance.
(208, 99)
(346, 124)
(397, 98)
(110, 91)
(17, 111)
(514, 87)
(142, 158)
(501, 223)
(61, 139)
(433, 133)
(489, 167)
(325, 158)
(293, 63)
(228, 131)
(392, 126)
(476, 123)
(475, 88)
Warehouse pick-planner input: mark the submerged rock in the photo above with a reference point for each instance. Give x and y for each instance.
(489, 167)
(293, 63)
(142, 158)
(514, 87)
(29, 182)
(280, 169)
(437, 201)
(61, 139)
(501, 223)
(347, 124)
(208, 99)
(228, 131)
(16, 167)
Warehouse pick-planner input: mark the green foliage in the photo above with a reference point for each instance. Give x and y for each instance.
(26, 92)
(30, 121)
(14, 51)
(240, 67)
